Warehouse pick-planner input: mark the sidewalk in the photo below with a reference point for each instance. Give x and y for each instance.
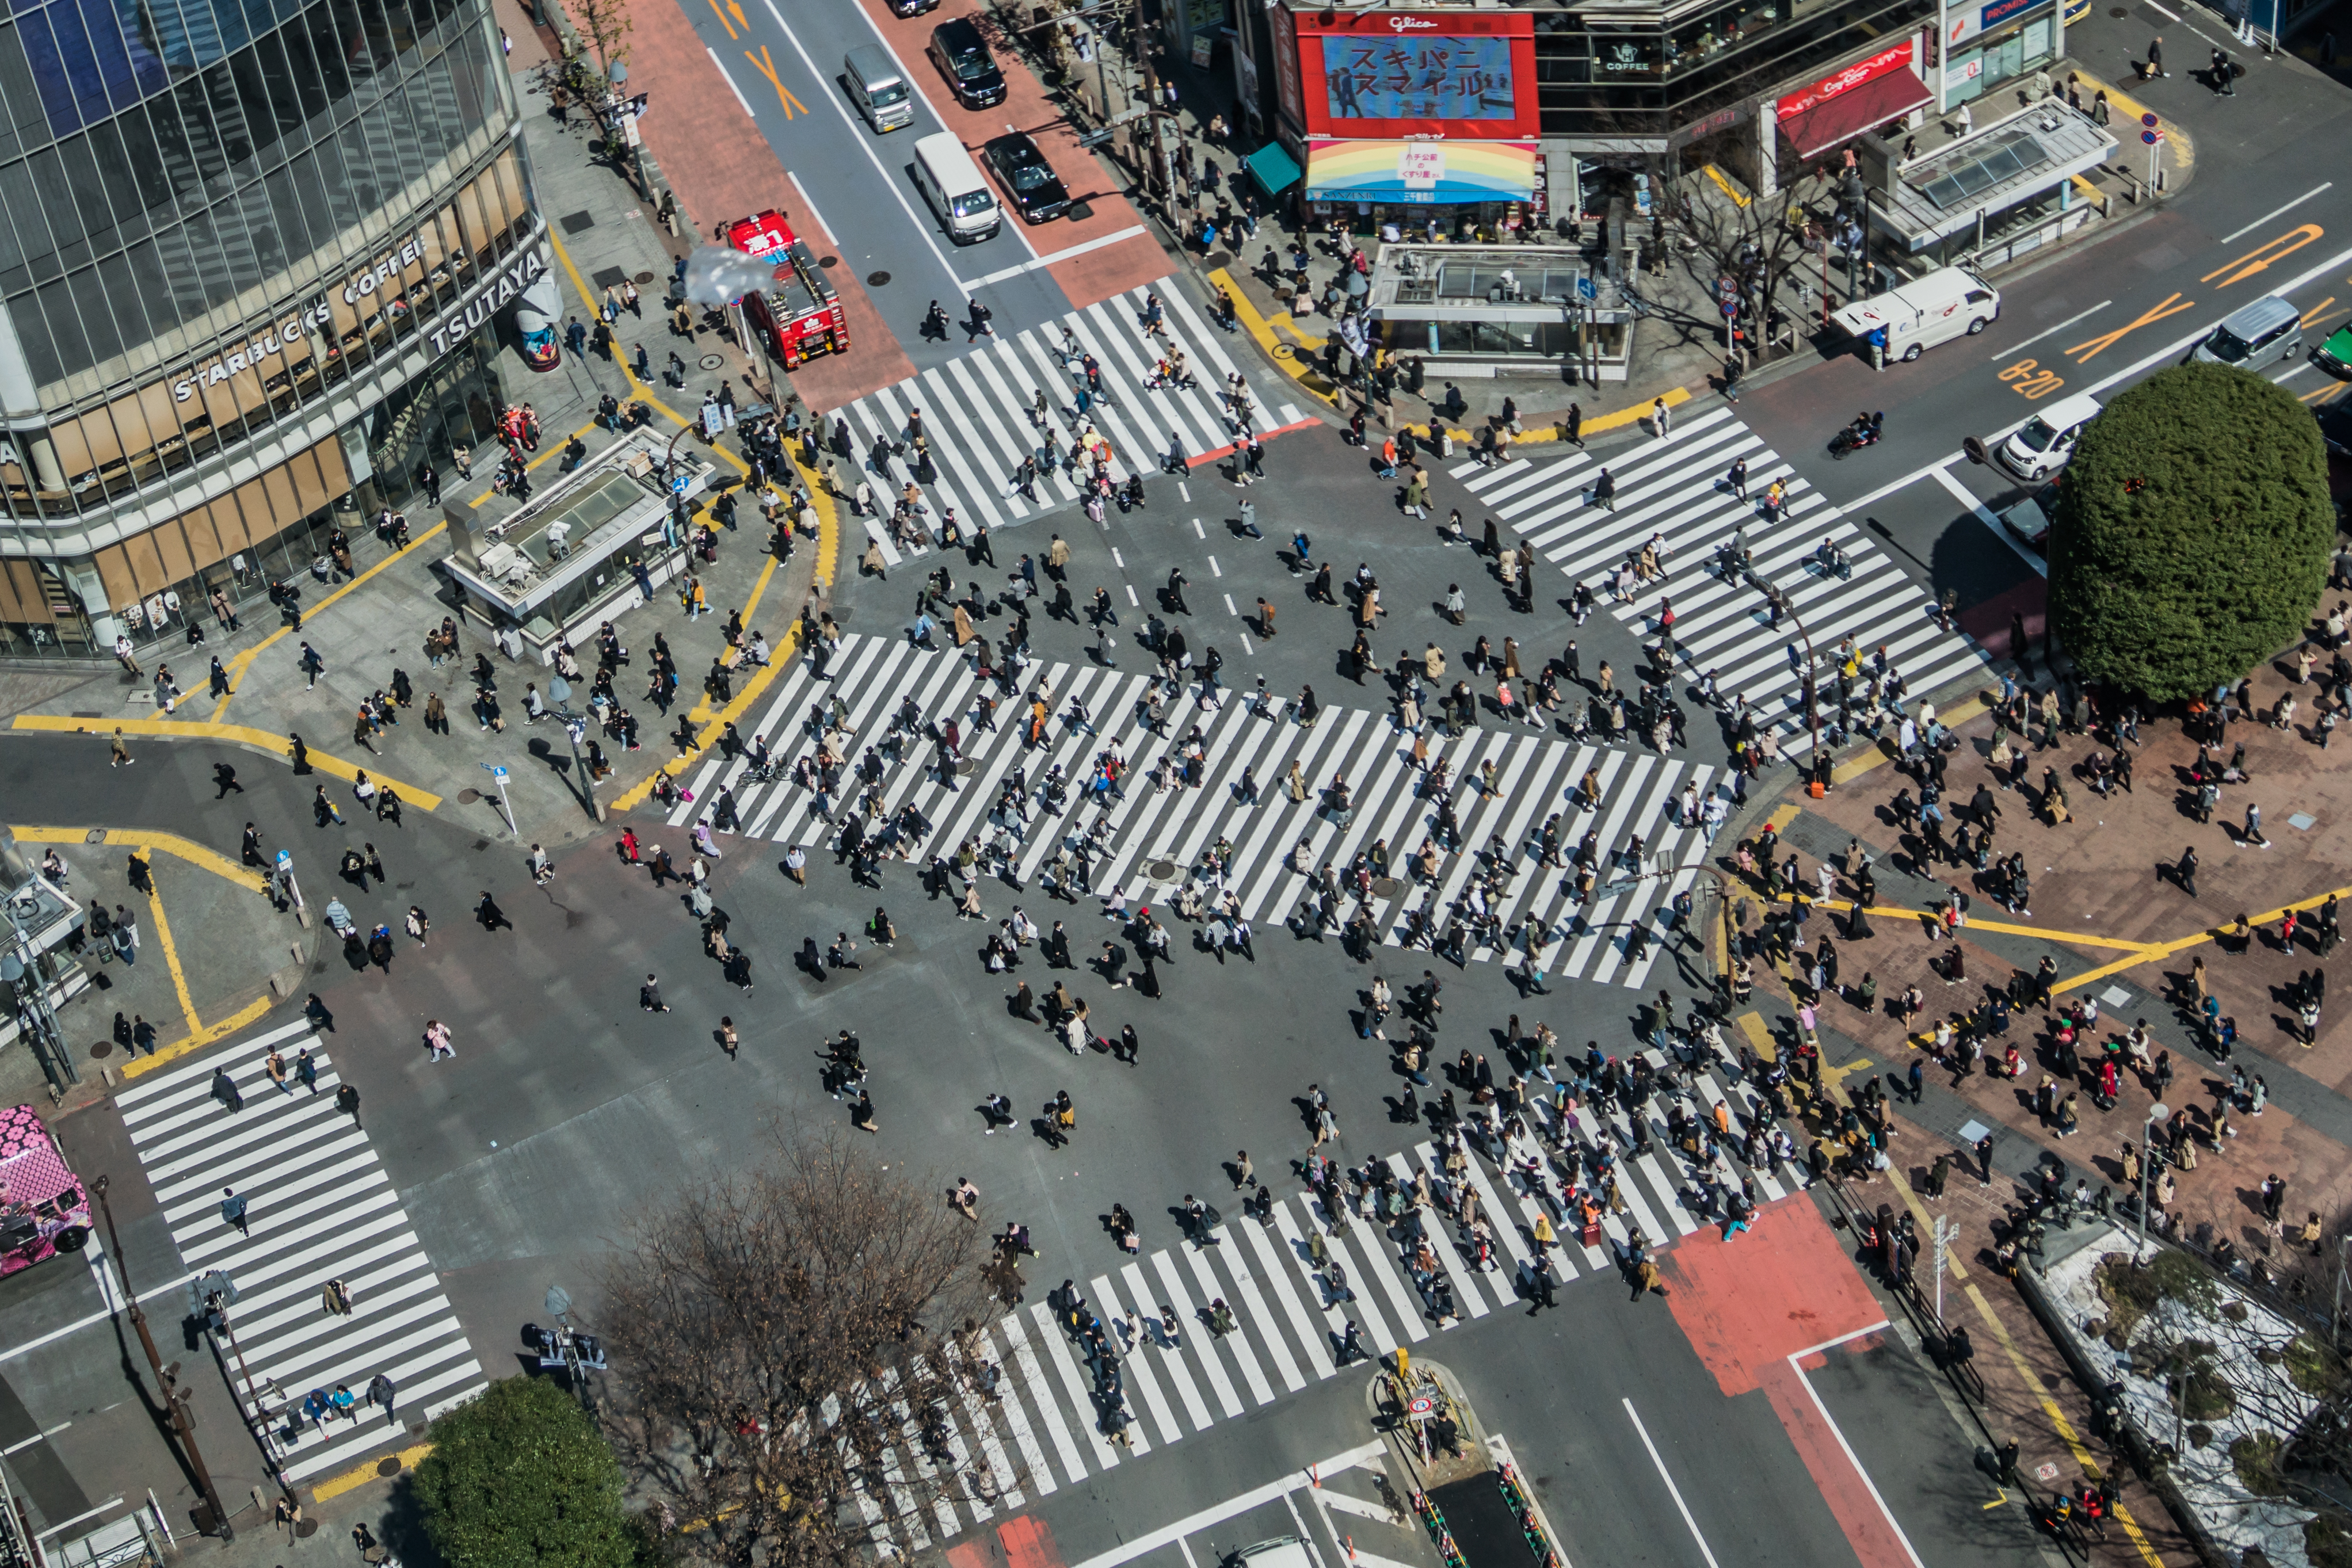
(376, 622)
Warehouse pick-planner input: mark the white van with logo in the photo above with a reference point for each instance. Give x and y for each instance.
(950, 181)
(1905, 321)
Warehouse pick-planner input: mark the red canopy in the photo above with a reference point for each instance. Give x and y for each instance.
(1856, 110)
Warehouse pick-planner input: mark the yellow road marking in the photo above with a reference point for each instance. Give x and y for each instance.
(1716, 174)
(336, 1486)
(765, 64)
(828, 552)
(2091, 349)
(1856, 767)
(211, 1033)
(239, 664)
(2264, 256)
(723, 22)
(320, 762)
(2058, 1422)
(2313, 314)
(172, 844)
(2327, 393)
(171, 958)
(1257, 327)
(475, 504)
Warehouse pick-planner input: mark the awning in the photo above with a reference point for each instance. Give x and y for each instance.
(1856, 110)
(1420, 172)
(1273, 168)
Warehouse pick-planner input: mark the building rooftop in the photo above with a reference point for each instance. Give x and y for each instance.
(2030, 151)
(1435, 281)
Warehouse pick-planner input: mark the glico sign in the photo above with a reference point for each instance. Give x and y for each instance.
(1380, 76)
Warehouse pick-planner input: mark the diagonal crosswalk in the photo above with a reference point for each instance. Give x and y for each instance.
(976, 411)
(1680, 488)
(1152, 836)
(1402, 1270)
(320, 1207)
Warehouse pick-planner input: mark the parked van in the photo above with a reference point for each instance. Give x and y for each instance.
(950, 181)
(1905, 321)
(2043, 444)
(878, 87)
(2254, 337)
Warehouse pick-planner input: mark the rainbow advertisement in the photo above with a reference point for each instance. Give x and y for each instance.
(1420, 173)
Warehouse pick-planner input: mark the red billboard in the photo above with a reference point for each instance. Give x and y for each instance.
(1389, 74)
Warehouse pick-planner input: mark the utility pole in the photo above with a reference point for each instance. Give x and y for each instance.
(175, 1397)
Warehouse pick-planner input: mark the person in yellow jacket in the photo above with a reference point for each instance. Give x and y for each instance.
(1544, 1236)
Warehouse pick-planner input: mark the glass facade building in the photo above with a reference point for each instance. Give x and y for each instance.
(250, 251)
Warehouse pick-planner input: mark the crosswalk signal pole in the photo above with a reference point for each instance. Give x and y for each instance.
(175, 1397)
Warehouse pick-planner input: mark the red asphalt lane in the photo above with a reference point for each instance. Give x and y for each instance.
(1748, 1306)
(1022, 1542)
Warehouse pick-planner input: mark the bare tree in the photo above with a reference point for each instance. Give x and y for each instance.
(1764, 248)
(606, 26)
(780, 1377)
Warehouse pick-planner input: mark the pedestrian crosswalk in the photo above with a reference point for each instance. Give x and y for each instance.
(977, 411)
(1401, 1274)
(1643, 811)
(1680, 488)
(320, 1209)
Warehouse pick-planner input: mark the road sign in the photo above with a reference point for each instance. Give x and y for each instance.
(1587, 290)
(2151, 137)
(1730, 308)
(677, 485)
(2149, 121)
(496, 771)
(284, 860)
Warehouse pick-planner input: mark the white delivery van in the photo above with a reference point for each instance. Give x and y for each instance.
(1924, 312)
(950, 181)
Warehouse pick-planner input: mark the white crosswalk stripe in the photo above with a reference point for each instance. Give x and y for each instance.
(978, 423)
(1152, 829)
(1178, 1376)
(320, 1209)
(1681, 489)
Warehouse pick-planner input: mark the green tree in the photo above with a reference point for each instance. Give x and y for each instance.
(519, 1477)
(2193, 532)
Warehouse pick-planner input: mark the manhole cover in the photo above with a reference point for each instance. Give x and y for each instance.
(2118, 11)
(828, 261)
(1161, 870)
(101, 1051)
(876, 279)
(966, 766)
(573, 222)
(1215, 259)
(711, 362)
(467, 796)
(644, 277)
(95, 836)
(388, 1466)
(1079, 211)
(1385, 887)
(305, 1528)
(1285, 352)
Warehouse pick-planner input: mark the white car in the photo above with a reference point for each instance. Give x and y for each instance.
(2042, 446)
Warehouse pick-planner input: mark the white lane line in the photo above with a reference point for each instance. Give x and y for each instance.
(1079, 249)
(2062, 326)
(2230, 239)
(1672, 1490)
(1796, 1364)
(1117, 559)
(1967, 498)
(1193, 1524)
(1132, 601)
(731, 85)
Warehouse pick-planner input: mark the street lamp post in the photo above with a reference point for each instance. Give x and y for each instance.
(176, 1398)
(22, 969)
(2156, 1112)
(1808, 686)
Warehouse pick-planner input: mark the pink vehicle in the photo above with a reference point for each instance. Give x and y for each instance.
(43, 1210)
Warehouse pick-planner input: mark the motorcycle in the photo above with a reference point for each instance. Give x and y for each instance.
(1863, 431)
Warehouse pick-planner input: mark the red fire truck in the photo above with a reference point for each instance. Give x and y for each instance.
(801, 317)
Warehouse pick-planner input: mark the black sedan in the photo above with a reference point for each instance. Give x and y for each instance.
(1036, 191)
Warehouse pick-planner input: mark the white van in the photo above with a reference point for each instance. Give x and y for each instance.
(878, 88)
(1922, 313)
(950, 181)
(2043, 444)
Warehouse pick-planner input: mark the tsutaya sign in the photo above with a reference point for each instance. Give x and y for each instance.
(287, 335)
(505, 284)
